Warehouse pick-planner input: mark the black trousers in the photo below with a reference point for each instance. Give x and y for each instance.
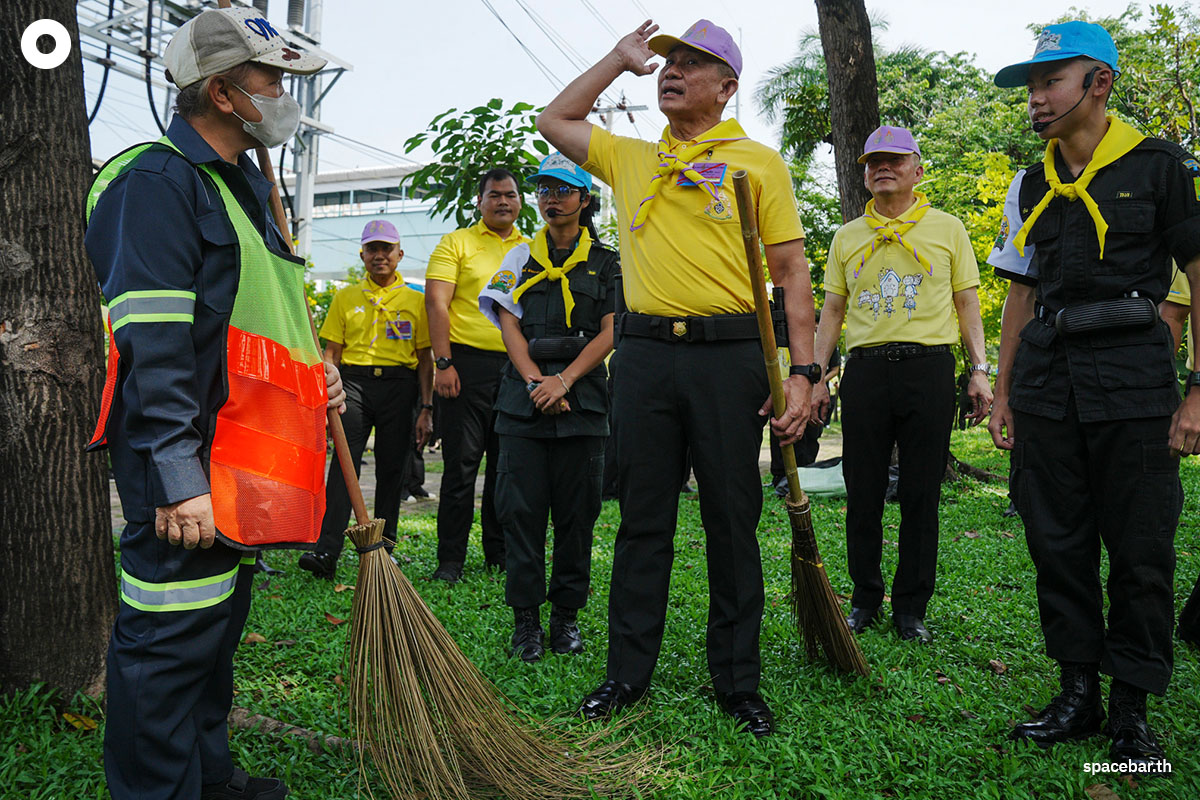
(170, 665)
(669, 399)
(558, 479)
(1079, 485)
(467, 423)
(385, 404)
(909, 403)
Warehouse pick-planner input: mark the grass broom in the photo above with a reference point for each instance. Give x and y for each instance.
(818, 612)
(433, 725)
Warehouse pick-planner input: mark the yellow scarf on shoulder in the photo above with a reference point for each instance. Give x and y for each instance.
(1119, 140)
(893, 230)
(539, 251)
(670, 164)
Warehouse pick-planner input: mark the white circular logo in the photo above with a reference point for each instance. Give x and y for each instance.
(56, 31)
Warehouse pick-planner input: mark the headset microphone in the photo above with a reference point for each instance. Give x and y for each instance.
(1038, 127)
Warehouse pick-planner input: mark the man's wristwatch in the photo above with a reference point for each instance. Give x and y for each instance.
(1193, 379)
(443, 362)
(985, 368)
(427, 406)
(810, 371)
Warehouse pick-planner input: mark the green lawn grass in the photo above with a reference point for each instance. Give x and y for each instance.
(929, 722)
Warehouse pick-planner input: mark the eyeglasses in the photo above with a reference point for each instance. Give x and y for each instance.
(562, 191)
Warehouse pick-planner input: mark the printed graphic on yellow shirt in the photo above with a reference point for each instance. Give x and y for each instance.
(891, 287)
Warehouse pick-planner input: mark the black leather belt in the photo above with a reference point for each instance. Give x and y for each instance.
(557, 348)
(1115, 314)
(361, 371)
(899, 351)
(715, 328)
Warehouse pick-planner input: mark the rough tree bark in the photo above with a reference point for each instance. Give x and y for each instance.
(57, 580)
(853, 98)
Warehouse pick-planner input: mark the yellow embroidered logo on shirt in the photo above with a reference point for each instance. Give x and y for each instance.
(719, 208)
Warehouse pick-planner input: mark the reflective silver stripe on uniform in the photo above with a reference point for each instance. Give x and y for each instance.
(178, 595)
(164, 305)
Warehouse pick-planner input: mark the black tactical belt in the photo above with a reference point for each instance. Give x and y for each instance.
(360, 371)
(1116, 314)
(715, 328)
(899, 351)
(557, 348)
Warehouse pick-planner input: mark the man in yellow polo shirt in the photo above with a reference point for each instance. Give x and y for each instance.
(898, 275)
(376, 332)
(469, 354)
(691, 376)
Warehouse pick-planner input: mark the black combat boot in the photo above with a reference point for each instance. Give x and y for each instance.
(1075, 713)
(564, 632)
(528, 634)
(1132, 740)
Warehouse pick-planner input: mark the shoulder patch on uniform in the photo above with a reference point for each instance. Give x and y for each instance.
(504, 280)
(1192, 164)
(1002, 235)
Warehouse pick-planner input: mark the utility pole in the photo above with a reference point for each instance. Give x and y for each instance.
(608, 115)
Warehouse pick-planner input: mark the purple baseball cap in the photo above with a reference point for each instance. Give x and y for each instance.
(380, 230)
(890, 139)
(703, 35)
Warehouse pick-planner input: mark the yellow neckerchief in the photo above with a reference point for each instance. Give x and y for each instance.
(893, 230)
(1118, 140)
(378, 296)
(539, 251)
(670, 163)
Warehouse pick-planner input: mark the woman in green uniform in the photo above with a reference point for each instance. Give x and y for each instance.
(553, 301)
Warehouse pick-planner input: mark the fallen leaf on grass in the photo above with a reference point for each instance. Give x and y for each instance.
(968, 714)
(337, 679)
(81, 722)
(254, 638)
(1008, 534)
(332, 620)
(262, 587)
(274, 597)
(943, 680)
(998, 666)
(21, 748)
(1100, 791)
(285, 643)
(915, 718)
(1030, 710)
(971, 534)
(341, 587)
(1128, 781)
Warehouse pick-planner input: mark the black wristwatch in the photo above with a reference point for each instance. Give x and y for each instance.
(1193, 379)
(811, 371)
(427, 406)
(444, 363)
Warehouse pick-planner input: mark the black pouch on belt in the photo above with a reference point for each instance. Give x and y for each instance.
(779, 317)
(1122, 312)
(557, 348)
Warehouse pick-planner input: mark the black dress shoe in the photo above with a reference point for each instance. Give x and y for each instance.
(862, 618)
(1074, 713)
(564, 631)
(781, 487)
(448, 571)
(500, 563)
(528, 636)
(910, 627)
(609, 698)
(241, 786)
(750, 712)
(321, 565)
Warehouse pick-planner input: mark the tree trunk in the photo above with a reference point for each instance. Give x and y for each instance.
(57, 581)
(853, 99)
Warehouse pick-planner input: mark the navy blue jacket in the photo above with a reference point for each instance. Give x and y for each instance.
(160, 226)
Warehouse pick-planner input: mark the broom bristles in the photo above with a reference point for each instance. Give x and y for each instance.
(436, 727)
(818, 612)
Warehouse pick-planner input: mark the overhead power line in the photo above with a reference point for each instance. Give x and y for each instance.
(545, 70)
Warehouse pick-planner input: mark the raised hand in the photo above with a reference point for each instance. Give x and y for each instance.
(632, 51)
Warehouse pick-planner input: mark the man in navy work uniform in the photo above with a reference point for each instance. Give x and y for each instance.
(214, 407)
(1086, 397)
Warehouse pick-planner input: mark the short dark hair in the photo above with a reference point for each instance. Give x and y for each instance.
(497, 174)
(192, 100)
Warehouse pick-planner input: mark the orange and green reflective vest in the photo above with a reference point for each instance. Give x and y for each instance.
(267, 455)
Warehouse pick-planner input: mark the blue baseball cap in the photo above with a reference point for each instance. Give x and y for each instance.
(1075, 39)
(558, 166)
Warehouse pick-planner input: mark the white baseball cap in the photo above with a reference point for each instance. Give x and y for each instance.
(217, 40)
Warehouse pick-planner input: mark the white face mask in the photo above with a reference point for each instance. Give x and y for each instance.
(280, 118)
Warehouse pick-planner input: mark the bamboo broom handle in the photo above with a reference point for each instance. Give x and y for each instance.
(762, 310)
(340, 445)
